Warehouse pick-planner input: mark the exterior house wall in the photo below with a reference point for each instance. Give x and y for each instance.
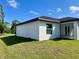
(37, 30)
(29, 30)
(70, 24)
(42, 31)
(78, 31)
(75, 30)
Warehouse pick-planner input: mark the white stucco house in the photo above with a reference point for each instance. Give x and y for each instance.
(45, 28)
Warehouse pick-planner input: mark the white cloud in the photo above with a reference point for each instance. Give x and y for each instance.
(50, 13)
(50, 10)
(59, 9)
(34, 12)
(77, 15)
(74, 8)
(12, 3)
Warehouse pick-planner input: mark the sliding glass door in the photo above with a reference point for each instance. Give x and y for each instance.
(67, 31)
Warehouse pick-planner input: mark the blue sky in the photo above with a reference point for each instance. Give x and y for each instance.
(27, 9)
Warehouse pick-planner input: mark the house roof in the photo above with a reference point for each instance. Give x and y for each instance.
(50, 19)
(69, 19)
(42, 18)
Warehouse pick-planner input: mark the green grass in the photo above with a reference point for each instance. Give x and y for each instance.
(13, 47)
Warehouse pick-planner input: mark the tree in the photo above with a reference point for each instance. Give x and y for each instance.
(2, 23)
(13, 27)
(1, 14)
(3, 27)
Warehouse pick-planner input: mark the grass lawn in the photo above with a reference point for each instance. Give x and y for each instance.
(13, 47)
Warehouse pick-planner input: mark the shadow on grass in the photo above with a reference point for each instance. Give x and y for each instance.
(58, 39)
(11, 40)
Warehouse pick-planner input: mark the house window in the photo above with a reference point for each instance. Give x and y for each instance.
(49, 29)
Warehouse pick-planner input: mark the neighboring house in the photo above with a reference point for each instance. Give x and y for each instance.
(45, 28)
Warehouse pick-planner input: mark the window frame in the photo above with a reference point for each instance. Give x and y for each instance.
(49, 29)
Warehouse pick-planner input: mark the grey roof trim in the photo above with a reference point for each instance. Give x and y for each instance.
(49, 19)
(40, 19)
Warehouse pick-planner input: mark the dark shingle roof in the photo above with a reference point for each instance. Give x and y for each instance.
(68, 19)
(50, 19)
(42, 18)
